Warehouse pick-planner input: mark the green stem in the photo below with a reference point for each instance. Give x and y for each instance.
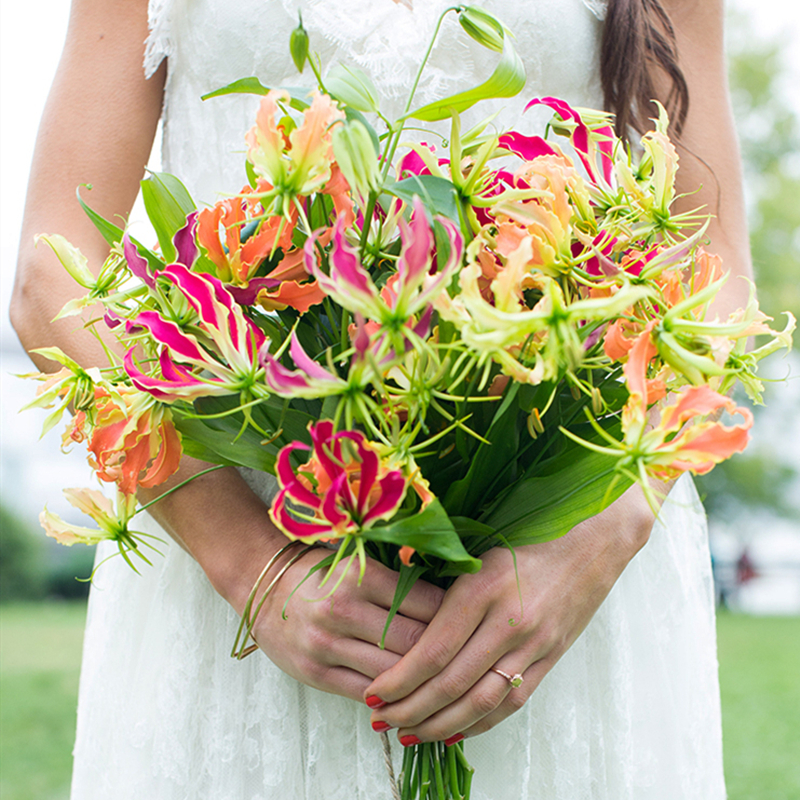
(408, 768)
(437, 771)
(394, 140)
(175, 488)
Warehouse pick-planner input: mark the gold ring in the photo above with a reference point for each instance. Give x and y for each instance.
(514, 680)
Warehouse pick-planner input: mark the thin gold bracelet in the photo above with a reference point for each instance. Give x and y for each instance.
(249, 617)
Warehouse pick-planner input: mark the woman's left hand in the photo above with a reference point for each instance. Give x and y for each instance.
(444, 686)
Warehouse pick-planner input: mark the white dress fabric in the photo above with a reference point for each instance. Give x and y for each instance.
(630, 712)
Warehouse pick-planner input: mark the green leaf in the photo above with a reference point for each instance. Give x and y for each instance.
(438, 193)
(507, 80)
(544, 508)
(220, 439)
(431, 533)
(254, 86)
(108, 230)
(405, 583)
(217, 446)
(468, 494)
(167, 203)
(113, 234)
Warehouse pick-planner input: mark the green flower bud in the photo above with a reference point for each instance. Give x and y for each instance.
(356, 156)
(70, 257)
(352, 87)
(484, 28)
(298, 44)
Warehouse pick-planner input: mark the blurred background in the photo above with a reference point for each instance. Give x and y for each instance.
(753, 501)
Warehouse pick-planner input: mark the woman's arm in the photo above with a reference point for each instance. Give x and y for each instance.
(444, 686)
(98, 128)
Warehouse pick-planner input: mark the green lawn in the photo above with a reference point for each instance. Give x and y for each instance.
(759, 661)
(40, 655)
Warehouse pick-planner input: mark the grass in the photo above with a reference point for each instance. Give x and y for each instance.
(40, 659)
(760, 686)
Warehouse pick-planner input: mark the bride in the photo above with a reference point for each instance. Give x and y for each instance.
(616, 645)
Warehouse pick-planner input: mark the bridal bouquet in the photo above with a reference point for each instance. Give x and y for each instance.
(436, 351)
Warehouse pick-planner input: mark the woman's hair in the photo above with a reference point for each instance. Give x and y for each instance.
(638, 44)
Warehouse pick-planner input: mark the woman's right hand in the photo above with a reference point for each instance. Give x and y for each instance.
(331, 643)
(328, 643)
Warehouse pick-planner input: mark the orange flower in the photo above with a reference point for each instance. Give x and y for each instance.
(133, 434)
(237, 251)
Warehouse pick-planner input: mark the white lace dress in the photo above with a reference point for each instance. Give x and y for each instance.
(631, 712)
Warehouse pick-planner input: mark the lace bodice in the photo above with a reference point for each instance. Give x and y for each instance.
(210, 43)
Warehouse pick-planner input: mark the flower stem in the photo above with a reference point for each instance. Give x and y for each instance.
(175, 488)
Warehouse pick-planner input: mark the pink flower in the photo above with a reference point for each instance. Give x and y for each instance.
(224, 330)
(341, 491)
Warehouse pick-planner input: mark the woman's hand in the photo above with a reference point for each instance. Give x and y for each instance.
(445, 688)
(331, 643)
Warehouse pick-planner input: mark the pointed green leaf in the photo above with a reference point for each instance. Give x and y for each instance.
(431, 533)
(507, 80)
(254, 86)
(439, 194)
(405, 583)
(113, 234)
(467, 495)
(544, 508)
(167, 203)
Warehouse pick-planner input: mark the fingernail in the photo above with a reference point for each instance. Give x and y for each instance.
(373, 701)
(454, 739)
(409, 740)
(379, 726)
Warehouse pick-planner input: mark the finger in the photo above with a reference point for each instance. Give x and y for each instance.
(421, 603)
(459, 680)
(483, 699)
(353, 616)
(368, 659)
(338, 680)
(402, 635)
(444, 637)
(514, 700)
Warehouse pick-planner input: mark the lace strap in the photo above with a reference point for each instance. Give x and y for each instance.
(158, 44)
(597, 7)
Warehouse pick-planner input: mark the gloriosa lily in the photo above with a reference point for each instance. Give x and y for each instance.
(247, 238)
(350, 284)
(112, 524)
(671, 447)
(133, 442)
(300, 163)
(223, 329)
(71, 385)
(343, 489)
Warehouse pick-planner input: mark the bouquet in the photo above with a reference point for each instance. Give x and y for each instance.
(435, 352)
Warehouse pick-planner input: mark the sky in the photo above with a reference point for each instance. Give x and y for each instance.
(31, 37)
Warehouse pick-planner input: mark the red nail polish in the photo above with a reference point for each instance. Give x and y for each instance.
(454, 739)
(373, 701)
(379, 726)
(409, 740)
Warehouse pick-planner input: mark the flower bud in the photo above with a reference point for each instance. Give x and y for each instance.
(298, 44)
(484, 28)
(70, 257)
(352, 87)
(355, 154)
